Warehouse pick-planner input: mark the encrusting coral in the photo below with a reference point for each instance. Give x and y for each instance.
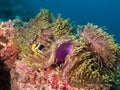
(48, 56)
(7, 50)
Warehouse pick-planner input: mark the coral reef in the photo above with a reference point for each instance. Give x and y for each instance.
(44, 54)
(7, 50)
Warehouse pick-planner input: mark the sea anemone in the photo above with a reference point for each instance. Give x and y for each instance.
(100, 44)
(93, 62)
(44, 19)
(61, 27)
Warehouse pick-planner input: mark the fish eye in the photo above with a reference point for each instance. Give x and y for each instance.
(41, 47)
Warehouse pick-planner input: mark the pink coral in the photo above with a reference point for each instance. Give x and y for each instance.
(7, 52)
(32, 79)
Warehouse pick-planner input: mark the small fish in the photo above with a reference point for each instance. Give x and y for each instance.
(37, 48)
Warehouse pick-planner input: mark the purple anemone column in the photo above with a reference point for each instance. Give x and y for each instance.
(62, 51)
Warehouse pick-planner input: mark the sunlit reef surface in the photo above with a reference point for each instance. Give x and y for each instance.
(45, 54)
